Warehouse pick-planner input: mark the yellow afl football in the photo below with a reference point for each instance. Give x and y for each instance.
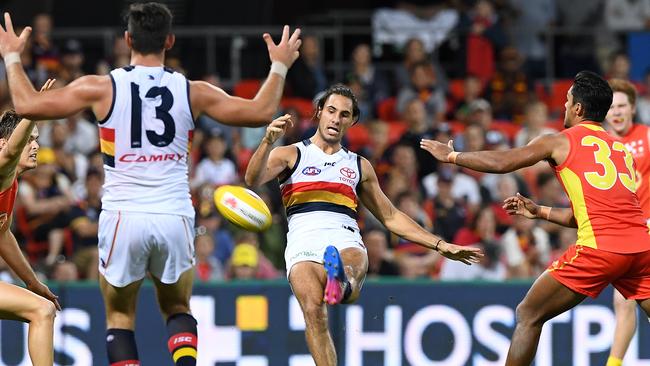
(242, 207)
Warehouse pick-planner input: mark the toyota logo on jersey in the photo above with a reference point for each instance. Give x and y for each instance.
(348, 173)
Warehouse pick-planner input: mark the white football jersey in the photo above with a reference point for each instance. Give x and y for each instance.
(320, 192)
(145, 141)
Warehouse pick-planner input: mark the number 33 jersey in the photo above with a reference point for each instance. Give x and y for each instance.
(598, 175)
(145, 141)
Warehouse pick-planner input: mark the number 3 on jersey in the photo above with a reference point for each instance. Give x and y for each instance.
(603, 157)
(162, 113)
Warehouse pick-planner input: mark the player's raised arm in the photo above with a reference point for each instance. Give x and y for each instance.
(401, 224)
(267, 163)
(520, 205)
(236, 111)
(500, 161)
(80, 94)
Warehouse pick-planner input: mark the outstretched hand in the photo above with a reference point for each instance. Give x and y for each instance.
(9, 41)
(520, 205)
(287, 50)
(467, 255)
(439, 150)
(277, 128)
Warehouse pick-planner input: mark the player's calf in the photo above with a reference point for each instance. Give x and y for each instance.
(121, 347)
(183, 339)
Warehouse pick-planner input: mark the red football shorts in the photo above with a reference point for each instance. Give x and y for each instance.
(588, 271)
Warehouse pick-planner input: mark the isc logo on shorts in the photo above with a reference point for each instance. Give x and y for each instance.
(182, 340)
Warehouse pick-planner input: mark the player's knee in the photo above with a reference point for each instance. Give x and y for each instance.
(525, 314)
(44, 311)
(314, 313)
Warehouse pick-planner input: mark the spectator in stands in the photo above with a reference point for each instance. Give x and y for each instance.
(376, 151)
(403, 174)
(72, 60)
(47, 199)
(532, 19)
(535, 120)
(618, 66)
(74, 165)
(626, 15)
(510, 89)
(373, 83)
(413, 53)
(273, 241)
(244, 262)
(210, 222)
(424, 85)
(381, 261)
(472, 90)
(64, 271)
(307, 77)
(484, 38)
(44, 52)
(526, 247)
(207, 267)
(449, 212)
(490, 268)
(464, 188)
(84, 224)
(215, 169)
(420, 126)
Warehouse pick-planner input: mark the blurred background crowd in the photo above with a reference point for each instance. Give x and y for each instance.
(489, 74)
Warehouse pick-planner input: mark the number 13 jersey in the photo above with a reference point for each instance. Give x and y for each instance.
(598, 175)
(145, 140)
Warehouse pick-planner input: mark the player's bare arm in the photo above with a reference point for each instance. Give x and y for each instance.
(230, 110)
(401, 224)
(553, 147)
(85, 92)
(268, 162)
(10, 153)
(523, 206)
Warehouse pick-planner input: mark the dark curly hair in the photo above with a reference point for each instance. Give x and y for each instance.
(342, 90)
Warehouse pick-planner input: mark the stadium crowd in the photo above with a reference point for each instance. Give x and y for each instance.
(492, 98)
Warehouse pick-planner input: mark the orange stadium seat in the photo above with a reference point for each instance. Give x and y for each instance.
(304, 106)
(457, 89)
(247, 88)
(37, 250)
(395, 130)
(557, 97)
(386, 109)
(358, 137)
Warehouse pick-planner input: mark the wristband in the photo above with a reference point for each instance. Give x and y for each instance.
(437, 243)
(452, 157)
(545, 212)
(279, 68)
(12, 58)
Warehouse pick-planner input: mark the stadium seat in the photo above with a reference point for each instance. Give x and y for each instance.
(358, 137)
(386, 109)
(395, 130)
(507, 128)
(37, 250)
(247, 88)
(457, 89)
(304, 107)
(557, 97)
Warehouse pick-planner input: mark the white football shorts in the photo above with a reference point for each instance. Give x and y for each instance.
(132, 243)
(306, 243)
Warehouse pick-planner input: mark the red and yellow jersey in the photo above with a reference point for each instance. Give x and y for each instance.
(599, 178)
(637, 142)
(7, 200)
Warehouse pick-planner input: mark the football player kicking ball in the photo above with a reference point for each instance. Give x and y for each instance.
(18, 149)
(319, 180)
